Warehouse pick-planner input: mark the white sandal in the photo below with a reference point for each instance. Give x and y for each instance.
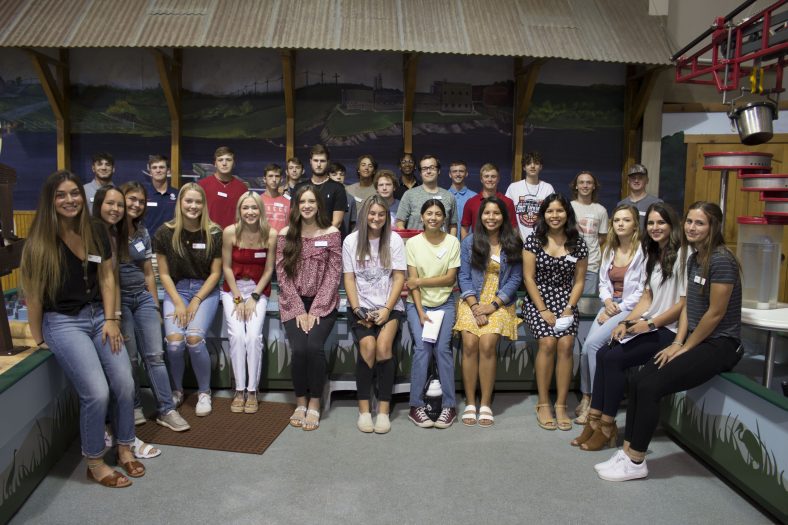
(485, 414)
(469, 414)
(142, 450)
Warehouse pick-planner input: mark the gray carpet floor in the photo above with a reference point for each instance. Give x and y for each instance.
(511, 473)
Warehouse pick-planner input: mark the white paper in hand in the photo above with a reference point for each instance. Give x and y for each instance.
(430, 331)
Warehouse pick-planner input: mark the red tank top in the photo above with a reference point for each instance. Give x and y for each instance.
(249, 263)
(617, 275)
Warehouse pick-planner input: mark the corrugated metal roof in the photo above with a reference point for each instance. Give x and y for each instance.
(599, 30)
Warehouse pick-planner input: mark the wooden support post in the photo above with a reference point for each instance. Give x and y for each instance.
(637, 91)
(525, 83)
(410, 62)
(288, 85)
(56, 90)
(170, 77)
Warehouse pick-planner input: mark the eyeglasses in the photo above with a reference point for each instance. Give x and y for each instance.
(428, 168)
(406, 161)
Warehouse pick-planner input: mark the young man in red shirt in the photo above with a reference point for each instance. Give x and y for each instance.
(223, 189)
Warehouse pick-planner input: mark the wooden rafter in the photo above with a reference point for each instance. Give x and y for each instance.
(637, 92)
(410, 62)
(288, 85)
(525, 83)
(170, 77)
(56, 90)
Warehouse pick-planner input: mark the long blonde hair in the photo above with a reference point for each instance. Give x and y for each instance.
(41, 269)
(262, 223)
(612, 242)
(207, 227)
(363, 247)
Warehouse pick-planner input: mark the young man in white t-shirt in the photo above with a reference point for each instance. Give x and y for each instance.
(592, 222)
(528, 194)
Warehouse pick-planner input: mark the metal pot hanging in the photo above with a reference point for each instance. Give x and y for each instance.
(754, 121)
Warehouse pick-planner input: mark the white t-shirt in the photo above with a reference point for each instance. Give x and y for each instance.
(373, 282)
(591, 223)
(527, 198)
(665, 295)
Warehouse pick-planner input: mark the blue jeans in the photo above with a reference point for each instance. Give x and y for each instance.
(142, 327)
(441, 349)
(198, 352)
(591, 285)
(598, 336)
(96, 373)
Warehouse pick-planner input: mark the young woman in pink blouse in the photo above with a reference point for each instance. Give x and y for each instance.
(309, 265)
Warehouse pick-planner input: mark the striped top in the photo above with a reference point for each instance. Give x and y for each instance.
(723, 269)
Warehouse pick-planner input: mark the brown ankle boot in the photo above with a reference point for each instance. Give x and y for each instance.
(588, 430)
(606, 434)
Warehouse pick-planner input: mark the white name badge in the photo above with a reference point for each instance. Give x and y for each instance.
(496, 258)
(94, 258)
(358, 199)
(259, 255)
(221, 194)
(642, 213)
(288, 197)
(699, 280)
(279, 204)
(140, 246)
(439, 197)
(441, 253)
(152, 204)
(321, 244)
(91, 199)
(198, 245)
(571, 258)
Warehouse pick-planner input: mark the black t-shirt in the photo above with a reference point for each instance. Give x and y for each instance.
(196, 264)
(79, 284)
(401, 188)
(333, 193)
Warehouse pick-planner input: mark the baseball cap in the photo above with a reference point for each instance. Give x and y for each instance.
(637, 169)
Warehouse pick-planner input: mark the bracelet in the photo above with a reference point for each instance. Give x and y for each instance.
(386, 307)
(543, 310)
(197, 297)
(111, 319)
(676, 343)
(40, 343)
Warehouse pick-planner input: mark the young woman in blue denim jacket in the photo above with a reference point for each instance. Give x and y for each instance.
(490, 274)
(140, 310)
(69, 283)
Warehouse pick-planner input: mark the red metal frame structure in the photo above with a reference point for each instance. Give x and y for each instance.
(727, 71)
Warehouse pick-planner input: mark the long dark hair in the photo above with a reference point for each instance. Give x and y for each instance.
(714, 241)
(570, 226)
(292, 249)
(118, 232)
(511, 244)
(667, 256)
(128, 188)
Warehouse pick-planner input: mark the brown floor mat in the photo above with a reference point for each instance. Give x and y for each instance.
(222, 429)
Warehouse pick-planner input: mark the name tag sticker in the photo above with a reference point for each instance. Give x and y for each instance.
(496, 258)
(259, 255)
(321, 244)
(221, 194)
(140, 246)
(91, 199)
(94, 258)
(279, 204)
(152, 204)
(570, 258)
(699, 280)
(198, 245)
(642, 213)
(439, 197)
(358, 199)
(288, 197)
(441, 253)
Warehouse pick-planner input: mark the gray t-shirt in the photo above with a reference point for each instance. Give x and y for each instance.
(723, 269)
(642, 205)
(90, 194)
(359, 193)
(410, 205)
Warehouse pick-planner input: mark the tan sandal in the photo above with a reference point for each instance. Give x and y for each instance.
(237, 406)
(297, 419)
(312, 424)
(547, 424)
(564, 423)
(116, 480)
(251, 406)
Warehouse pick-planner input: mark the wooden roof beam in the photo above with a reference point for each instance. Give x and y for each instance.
(171, 78)
(525, 83)
(410, 63)
(56, 90)
(288, 86)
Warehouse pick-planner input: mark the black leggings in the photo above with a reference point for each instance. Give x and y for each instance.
(309, 358)
(690, 369)
(612, 364)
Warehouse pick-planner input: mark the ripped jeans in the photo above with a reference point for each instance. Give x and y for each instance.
(192, 336)
(246, 337)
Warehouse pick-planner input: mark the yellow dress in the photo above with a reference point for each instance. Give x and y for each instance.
(503, 321)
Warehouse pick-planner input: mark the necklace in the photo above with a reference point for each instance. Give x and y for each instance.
(528, 191)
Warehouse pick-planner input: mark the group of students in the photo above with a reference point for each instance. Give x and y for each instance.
(672, 299)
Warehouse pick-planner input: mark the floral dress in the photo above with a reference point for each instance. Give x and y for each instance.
(555, 277)
(503, 321)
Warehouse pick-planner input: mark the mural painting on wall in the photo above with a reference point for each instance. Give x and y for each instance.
(350, 101)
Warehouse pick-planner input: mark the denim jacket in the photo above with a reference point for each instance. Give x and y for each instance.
(472, 280)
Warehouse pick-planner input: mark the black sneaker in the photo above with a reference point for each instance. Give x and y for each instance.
(447, 417)
(420, 417)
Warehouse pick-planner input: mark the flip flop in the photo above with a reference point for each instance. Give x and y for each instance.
(469, 414)
(142, 450)
(486, 418)
(311, 425)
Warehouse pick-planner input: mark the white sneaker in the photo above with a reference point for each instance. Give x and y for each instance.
(364, 422)
(618, 456)
(139, 417)
(625, 470)
(382, 424)
(203, 404)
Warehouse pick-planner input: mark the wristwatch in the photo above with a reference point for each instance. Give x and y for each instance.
(255, 296)
(651, 325)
